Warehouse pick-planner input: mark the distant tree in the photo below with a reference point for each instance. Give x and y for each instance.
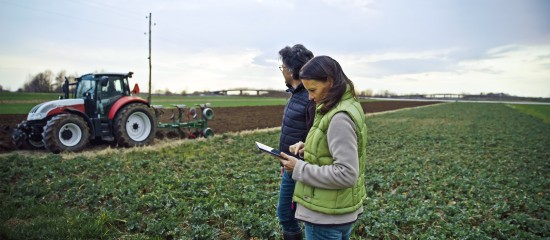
(385, 93)
(2, 89)
(367, 93)
(167, 92)
(184, 92)
(39, 83)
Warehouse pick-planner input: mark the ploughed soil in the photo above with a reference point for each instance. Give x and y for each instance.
(227, 119)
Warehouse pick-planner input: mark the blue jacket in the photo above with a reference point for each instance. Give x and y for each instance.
(297, 118)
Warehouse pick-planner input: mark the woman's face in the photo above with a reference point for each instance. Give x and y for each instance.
(317, 90)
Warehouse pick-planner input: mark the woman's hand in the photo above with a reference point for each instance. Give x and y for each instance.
(289, 162)
(297, 149)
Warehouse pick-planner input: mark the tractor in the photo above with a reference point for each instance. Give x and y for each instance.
(102, 108)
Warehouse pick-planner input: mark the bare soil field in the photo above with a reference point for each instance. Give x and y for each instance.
(228, 119)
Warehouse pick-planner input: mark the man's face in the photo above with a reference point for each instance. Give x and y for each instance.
(286, 74)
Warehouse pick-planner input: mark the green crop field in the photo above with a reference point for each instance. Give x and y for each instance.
(450, 171)
(28, 97)
(538, 111)
(218, 101)
(22, 103)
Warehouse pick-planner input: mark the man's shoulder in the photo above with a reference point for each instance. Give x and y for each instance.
(300, 94)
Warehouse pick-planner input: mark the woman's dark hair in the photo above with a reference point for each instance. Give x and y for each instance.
(294, 58)
(323, 68)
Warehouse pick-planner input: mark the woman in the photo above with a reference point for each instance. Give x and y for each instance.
(330, 184)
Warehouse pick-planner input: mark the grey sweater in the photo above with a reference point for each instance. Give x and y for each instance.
(343, 173)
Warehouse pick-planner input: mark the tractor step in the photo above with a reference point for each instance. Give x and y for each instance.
(103, 129)
(108, 138)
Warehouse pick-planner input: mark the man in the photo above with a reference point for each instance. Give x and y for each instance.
(297, 119)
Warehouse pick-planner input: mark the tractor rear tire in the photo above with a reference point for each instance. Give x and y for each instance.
(66, 132)
(135, 125)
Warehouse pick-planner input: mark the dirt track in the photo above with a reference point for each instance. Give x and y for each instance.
(229, 119)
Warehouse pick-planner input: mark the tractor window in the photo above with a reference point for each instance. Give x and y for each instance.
(85, 86)
(113, 88)
(109, 92)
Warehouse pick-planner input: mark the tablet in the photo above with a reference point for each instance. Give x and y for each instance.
(269, 150)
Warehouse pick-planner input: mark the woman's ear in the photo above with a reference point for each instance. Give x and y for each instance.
(330, 81)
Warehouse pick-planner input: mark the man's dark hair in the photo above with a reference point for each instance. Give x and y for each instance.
(323, 68)
(294, 58)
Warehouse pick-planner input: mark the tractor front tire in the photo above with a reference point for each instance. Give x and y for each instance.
(135, 125)
(65, 132)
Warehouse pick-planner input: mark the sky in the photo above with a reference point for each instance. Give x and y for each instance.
(400, 46)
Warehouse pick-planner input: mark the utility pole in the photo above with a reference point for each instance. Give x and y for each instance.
(149, 96)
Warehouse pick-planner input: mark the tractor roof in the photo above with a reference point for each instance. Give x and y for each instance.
(129, 74)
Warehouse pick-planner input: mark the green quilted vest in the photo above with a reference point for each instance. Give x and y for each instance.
(334, 201)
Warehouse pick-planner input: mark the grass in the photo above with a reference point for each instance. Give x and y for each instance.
(22, 103)
(16, 108)
(451, 171)
(24, 96)
(219, 101)
(539, 111)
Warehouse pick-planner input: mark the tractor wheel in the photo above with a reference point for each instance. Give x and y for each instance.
(36, 144)
(65, 132)
(207, 132)
(208, 114)
(134, 126)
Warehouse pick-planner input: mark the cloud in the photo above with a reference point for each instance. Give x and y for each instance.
(400, 46)
(216, 69)
(514, 69)
(381, 65)
(514, 60)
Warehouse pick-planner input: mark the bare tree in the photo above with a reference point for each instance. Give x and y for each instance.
(167, 92)
(385, 93)
(39, 83)
(367, 93)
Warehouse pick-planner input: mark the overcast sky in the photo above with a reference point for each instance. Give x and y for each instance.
(404, 46)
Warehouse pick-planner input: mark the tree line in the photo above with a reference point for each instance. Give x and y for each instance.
(45, 81)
